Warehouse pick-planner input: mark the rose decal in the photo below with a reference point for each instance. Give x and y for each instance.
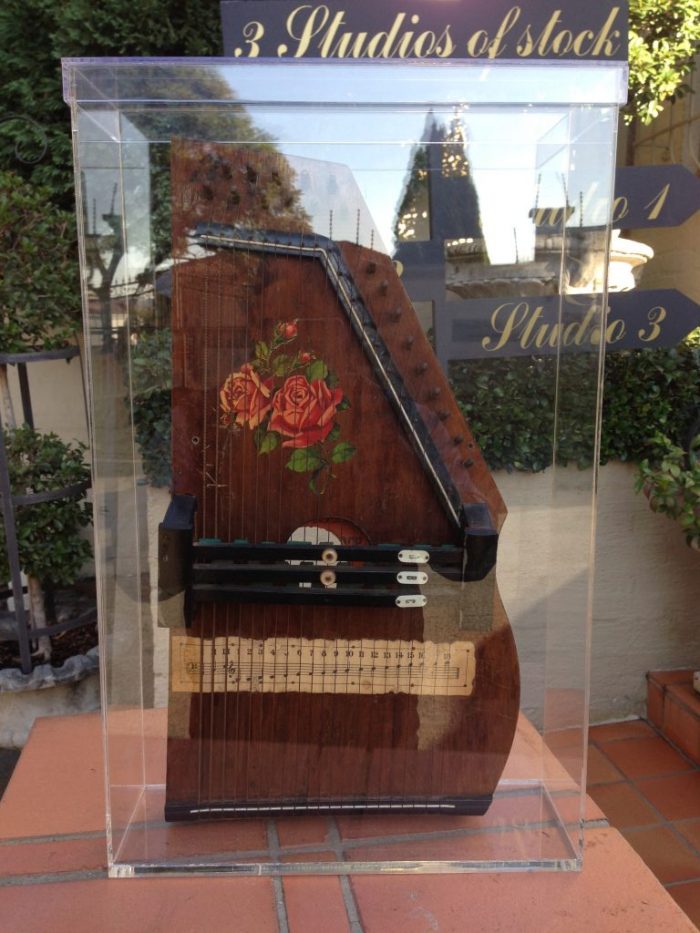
(304, 411)
(245, 398)
(289, 400)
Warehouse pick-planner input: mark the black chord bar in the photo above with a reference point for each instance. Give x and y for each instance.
(308, 572)
(271, 550)
(407, 597)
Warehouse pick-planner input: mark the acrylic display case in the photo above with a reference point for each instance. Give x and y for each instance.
(330, 309)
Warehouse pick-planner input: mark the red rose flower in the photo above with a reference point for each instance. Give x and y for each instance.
(287, 329)
(247, 396)
(304, 411)
(306, 357)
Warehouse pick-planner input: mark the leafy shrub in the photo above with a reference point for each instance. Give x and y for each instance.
(664, 39)
(672, 484)
(39, 295)
(48, 533)
(510, 404)
(150, 383)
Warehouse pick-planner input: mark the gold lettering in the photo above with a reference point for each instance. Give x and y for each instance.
(252, 32)
(373, 50)
(580, 39)
(621, 208)
(529, 327)
(404, 46)
(607, 36)
(565, 38)
(497, 45)
(473, 47)
(580, 330)
(658, 202)
(655, 316)
(312, 25)
(326, 47)
(526, 43)
(445, 46)
(546, 33)
(554, 336)
(419, 49)
(513, 320)
(615, 331)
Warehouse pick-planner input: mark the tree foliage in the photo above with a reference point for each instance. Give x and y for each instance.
(510, 404)
(34, 36)
(664, 40)
(39, 294)
(48, 533)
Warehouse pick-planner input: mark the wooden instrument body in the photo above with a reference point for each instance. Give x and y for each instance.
(236, 751)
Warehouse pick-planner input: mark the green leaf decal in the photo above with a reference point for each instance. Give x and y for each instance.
(344, 404)
(332, 380)
(268, 442)
(262, 351)
(304, 460)
(343, 451)
(316, 370)
(334, 433)
(258, 435)
(282, 365)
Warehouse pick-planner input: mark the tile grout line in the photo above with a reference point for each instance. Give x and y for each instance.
(273, 842)
(53, 877)
(661, 820)
(351, 908)
(633, 784)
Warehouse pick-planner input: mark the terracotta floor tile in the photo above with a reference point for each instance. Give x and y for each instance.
(39, 858)
(175, 905)
(600, 769)
(645, 757)
(516, 845)
(569, 809)
(615, 893)
(315, 905)
(622, 805)
(302, 830)
(612, 731)
(691, 831)
(687, 896)
(677, 797)
(668, 856)
(51, 793)
(155, 843)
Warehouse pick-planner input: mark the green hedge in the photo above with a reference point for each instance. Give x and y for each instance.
(510, 405)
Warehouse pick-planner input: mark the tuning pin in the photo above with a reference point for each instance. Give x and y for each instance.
(434, 393)
(457, 440)
(383, 287)
(396, 314)
(443, 415)
(371, 267)
(409, 341)
(468, 463)
(421, 368)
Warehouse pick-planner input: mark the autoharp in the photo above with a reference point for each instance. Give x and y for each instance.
(327, 563)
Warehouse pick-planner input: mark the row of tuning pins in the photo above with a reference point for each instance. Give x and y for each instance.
(420, 368)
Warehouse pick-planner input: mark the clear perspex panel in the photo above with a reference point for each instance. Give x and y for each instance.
(334, 314)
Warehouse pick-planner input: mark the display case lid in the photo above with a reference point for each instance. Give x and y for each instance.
(159, 81)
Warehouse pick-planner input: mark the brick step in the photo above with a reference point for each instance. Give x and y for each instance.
(673, 706)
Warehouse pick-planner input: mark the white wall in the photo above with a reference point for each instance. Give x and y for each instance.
(646, 605)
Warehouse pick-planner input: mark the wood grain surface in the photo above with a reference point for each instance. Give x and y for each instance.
(239, 746)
